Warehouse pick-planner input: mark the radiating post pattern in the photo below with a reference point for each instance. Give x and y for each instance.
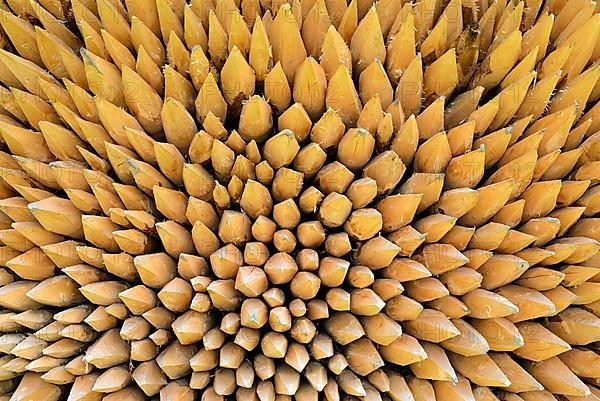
(299, 200)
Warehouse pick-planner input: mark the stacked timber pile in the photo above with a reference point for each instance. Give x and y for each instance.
(267, 200)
